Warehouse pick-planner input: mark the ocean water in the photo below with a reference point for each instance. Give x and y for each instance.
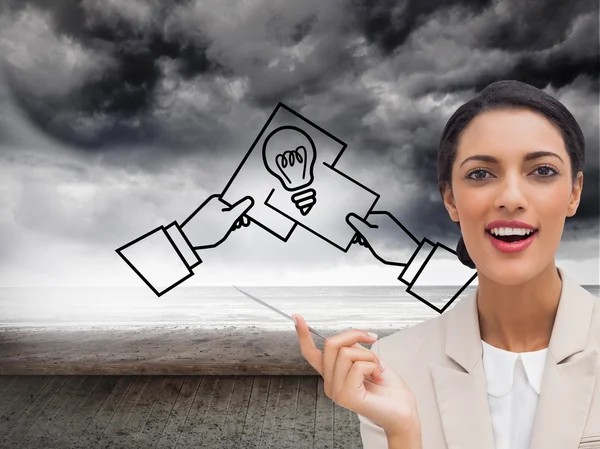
(327, 307)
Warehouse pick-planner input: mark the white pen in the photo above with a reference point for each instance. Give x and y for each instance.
(276, 310)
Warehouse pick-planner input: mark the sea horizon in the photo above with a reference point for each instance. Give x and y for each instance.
(325, 307)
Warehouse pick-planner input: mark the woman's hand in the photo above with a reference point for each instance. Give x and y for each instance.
(355, 379)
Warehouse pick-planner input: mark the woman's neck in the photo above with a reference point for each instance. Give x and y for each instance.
(519, 318)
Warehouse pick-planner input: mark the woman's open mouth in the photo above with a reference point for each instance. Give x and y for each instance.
(511, 240)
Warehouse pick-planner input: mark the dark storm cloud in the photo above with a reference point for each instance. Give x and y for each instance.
(535, 26)
(388, 23)
(507, 41)
(126, 87)
(550, 44)
(136, 48)
(160, 83)
(120, 104)
(559, 62)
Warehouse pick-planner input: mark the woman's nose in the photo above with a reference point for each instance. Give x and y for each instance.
(511, 195)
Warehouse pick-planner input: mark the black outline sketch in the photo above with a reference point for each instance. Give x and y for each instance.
(229, 231)
(374, 226)
(164, 230)
(331, 166)
(422, 267)
(301, 197)
(291, 152)
(192, 248)
(359, 238)
(305, 200)
(241, 164)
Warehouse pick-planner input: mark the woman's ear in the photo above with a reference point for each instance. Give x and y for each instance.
(449, 203)
(575, 195)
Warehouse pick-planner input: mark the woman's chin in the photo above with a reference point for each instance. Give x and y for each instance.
(509, 273)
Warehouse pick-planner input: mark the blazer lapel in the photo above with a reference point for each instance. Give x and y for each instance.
(461, 389)
(570, 372)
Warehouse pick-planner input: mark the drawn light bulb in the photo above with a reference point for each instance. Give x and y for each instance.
(289, 154)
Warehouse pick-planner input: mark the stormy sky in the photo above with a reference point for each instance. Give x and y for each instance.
(117, 117)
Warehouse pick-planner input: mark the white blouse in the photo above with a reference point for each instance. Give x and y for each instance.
(513, 387)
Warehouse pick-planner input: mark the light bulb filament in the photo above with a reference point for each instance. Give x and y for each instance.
(299, 154)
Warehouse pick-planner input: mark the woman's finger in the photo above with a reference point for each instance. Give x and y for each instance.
(332, 347)
(307, 345)
(347, 356)
(354, 392)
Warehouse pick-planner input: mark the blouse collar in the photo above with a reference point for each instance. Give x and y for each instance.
(463, 339)
(499, 366)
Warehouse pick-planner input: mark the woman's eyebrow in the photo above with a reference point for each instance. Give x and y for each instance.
(538, 154)
(480, 157)
(528, 157)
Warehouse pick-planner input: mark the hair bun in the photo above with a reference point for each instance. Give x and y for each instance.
(463, 254)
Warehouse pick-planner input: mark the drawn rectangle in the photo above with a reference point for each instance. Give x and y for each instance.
(253, 179)
(336, 197)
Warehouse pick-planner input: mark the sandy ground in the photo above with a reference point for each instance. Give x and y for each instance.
(154, 350)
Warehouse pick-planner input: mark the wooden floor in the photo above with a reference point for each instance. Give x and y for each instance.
(127, 412)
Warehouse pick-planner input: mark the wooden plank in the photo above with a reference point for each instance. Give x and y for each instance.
(225, 425)
(356, 438)
(286, 414)
(342, 427)
(238, 411)
(255, 413)
(5, 383)
(116, 425)
(193, 426)
(270, 419)
(23, 391)
(103, 416)
(93, 400)
(179, 412)
(112, 412)
(60, 423)
(304, 427)
(324, 419)
(33, 410)
(13, 392)
(213, 425)
(44, 427)
(156, 423)
(130, 434)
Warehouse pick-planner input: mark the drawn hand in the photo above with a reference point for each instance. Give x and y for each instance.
(354, 379)
(211, 223)
(384, 236)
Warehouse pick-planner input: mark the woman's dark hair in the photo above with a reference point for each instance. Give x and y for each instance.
(507, 94)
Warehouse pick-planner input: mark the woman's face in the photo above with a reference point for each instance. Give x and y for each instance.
(512, 177)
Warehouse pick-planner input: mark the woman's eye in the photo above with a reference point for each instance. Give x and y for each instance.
(478, 174)
(545, 171)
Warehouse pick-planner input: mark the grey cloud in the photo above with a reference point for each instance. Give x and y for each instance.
(389, 24)
(519, 26)
(146, 89)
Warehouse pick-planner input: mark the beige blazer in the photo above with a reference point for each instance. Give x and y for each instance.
(441, 361)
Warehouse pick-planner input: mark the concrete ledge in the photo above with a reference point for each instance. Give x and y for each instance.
(146, 369)
(148, 350)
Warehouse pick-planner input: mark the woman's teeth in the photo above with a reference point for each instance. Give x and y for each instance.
(510, 231)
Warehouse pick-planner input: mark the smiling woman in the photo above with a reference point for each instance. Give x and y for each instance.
(514, 364)
(513, 180)
(513, 126)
